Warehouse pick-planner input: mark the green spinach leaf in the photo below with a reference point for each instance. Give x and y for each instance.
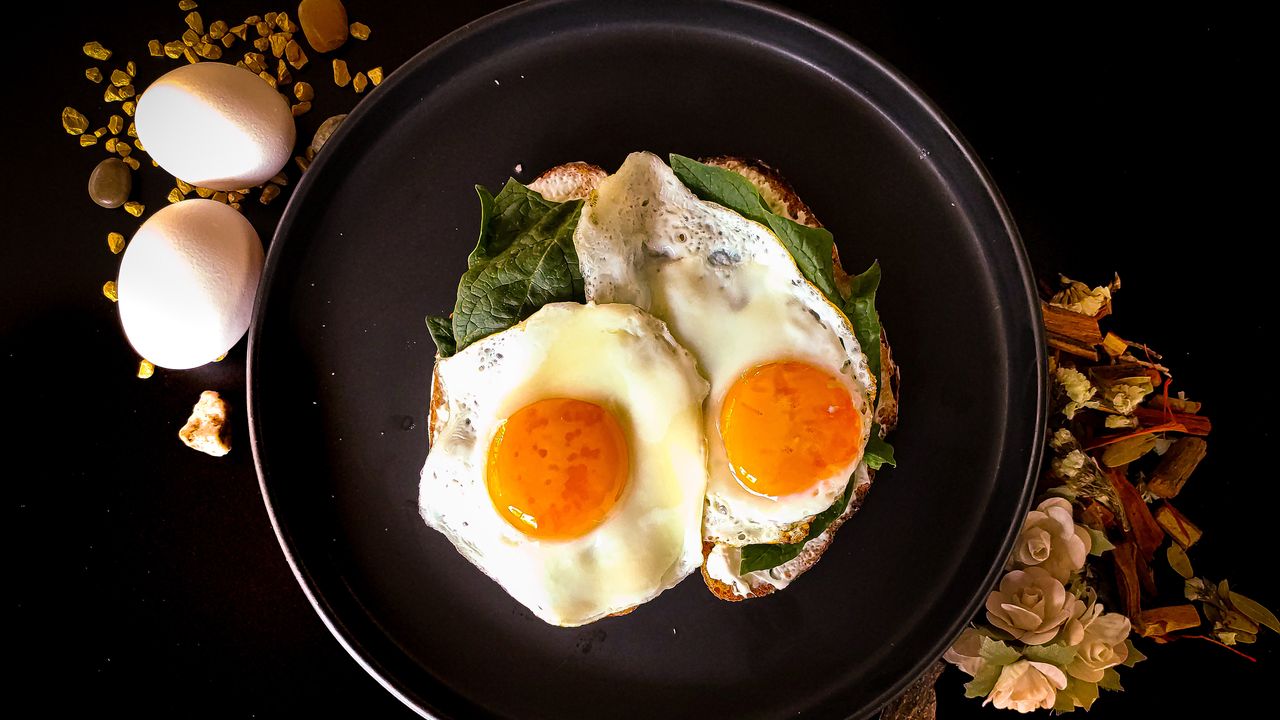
(809, 247)
(523, 260)
(860, 308)
(878, 453)
(764, 557)
(441, 329)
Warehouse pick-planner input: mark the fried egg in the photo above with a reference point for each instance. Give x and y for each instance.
(569, 461)
(789, 409)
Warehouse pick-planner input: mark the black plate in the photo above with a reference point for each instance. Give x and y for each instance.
(376, 236)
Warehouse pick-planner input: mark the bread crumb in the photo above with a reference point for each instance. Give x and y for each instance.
(207, 430)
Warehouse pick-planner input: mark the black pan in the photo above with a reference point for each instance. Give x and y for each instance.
(376, 236)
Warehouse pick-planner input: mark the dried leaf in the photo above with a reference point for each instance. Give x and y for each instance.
(1126, 451)
(1165, 620)
(1255, 611)
(1179, 561)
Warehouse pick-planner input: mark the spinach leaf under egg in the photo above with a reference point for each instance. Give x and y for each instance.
(441, 329)
(809, 247)
(878, 453)
(765, 557)
(523, 260)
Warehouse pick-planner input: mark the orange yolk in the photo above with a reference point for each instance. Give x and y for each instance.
(787, 426)
(556, 467)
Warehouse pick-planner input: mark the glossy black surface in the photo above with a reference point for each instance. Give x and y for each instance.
(146, 578)
(377, 235)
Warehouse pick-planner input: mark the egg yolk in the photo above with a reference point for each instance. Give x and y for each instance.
(787, 426)
(556, 467)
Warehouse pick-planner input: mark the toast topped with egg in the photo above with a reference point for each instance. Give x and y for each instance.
(742, 556)
(721, 561)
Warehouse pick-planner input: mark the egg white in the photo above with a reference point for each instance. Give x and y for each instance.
(624, 360)
(731, 293)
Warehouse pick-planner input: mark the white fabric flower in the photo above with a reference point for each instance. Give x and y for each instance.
(1099, 641)
(1050, 539)
(1027, 685)
(1031, 605)
(966, 652)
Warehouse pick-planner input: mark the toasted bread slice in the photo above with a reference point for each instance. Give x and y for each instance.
(783, 200)
(575, 181)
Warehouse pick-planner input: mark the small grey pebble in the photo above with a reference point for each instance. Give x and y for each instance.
(110, 183)
(325, 130)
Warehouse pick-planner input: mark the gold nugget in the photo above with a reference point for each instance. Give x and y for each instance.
(134, 208)
(94, 74)
(341, 76)
(109, 290)
(269, 193)
(375, 75)
(359, 82)
(115, 242)
(73, 122)
(145, 369)
(96, 51)
(360, 31)
(155, 48)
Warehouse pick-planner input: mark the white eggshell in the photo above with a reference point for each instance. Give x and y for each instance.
(187, 283)
(216, 125)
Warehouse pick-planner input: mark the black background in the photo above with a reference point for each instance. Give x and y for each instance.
(145, 577)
